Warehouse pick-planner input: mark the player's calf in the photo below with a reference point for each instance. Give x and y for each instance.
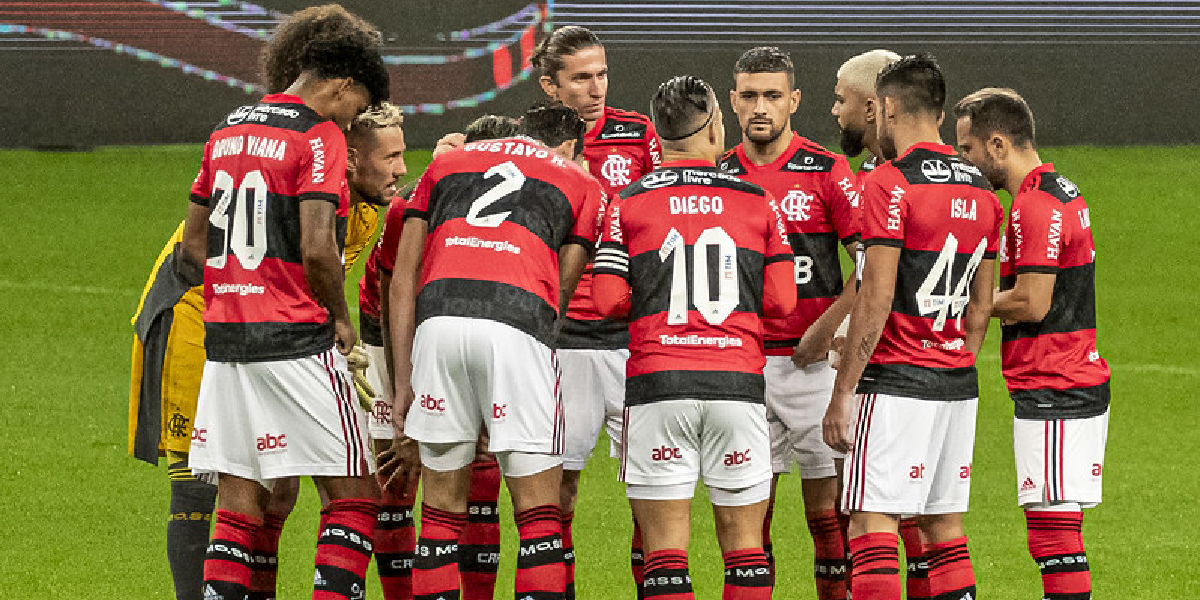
(1056, 545)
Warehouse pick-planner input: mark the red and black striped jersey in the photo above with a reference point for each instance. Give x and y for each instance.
(381, 260)
(942, 214)
(498, 212)
(620, 148)
(1052, 367)
(259, 164)
(818, 195)
(702, 254)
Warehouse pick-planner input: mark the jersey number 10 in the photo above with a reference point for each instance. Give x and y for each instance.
(241, 214)
(714, 311)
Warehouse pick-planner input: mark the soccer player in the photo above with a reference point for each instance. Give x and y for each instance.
(856, 107)
(818, 196)
(694, 258)
(930, 228)
(495, 237)
(395, 535)
(620, 146)
(275, 399)
(1047, 306)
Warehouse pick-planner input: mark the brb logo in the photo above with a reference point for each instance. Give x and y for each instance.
(663, 453)
(272, 442)
(616, 170)
(199, 435)
(737, 457)
(499, 411)
(434, 404)
(796, 205)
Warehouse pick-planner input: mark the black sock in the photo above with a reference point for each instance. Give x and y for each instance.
(192, 503)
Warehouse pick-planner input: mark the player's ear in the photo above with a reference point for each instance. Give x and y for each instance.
(795, 102)
(351, 159)
(549, 86)
(998, 147)
(869, 109)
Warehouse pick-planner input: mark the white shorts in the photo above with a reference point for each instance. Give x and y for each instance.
(1060, 460)
(468, 372)
(379, 422)
(593, 392)
(796, 402)
(267, 420)
(910, 456)
(672, 442)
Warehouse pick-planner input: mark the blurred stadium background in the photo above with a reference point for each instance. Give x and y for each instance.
(140, 83)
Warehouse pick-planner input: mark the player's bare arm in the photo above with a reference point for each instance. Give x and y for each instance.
(323, 267)
(399, 464)
(1028, 300)
(979, 309)
(871, 307)
(194, 244)
(385, 282)
(572, 259)
(817, 340)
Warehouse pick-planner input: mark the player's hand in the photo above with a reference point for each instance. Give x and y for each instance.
(403, 398)
(344, 336)
(836, 346)
(835, 428)
(811, 349)
(400, 465)
(449, 142)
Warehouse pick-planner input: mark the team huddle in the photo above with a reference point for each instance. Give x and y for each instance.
(581, 266)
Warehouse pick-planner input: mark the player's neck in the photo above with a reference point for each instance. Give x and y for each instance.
(669, 155)
(916, 131)
(1022, 163)
(767, 152)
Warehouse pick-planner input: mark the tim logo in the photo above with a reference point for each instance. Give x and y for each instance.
(964, 472)
(499, 411)
(616, 170)
(737, 457)
(271, 442)
(199, 435)
(381, 412)
(935, 171)
(917, 471)
(434, 404)
(664, 453)
(796, 205)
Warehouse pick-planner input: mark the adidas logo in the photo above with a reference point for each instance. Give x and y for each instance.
(1026, 485)
(317, 579)
(211, 594)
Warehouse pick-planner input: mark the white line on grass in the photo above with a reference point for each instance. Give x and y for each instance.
(1122, 367)
(71, 289)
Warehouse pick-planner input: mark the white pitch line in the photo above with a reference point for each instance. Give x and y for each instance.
(1122, 367)
(71, 289)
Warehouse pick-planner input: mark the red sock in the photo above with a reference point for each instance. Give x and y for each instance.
(666, 576)
(916, 583)
(435, 560)
(747, 576)
(950, 573)
(1056, 544)
(227, 565)
(479, 544)
(829, 555)
(768, 548)
(843, 526)
(266, 558)
(344, 548)
(876, 559)
(395, 539)
(637, 563)
(569, 553)
(540, 569)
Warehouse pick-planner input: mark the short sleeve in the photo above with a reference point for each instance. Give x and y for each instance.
(612, 258)
(884, 210)
(589, 212)
(201, 192)
(778, 248)
(389, 238)
(418, 203)
(322, 173)
(1037, 224)
(845, 208)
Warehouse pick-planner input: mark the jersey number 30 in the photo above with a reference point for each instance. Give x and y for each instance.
(714, 311)
(241, 215)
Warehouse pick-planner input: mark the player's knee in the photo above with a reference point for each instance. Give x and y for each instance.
(940, 528)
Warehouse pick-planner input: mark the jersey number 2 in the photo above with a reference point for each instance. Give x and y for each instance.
(714, 311)
(246, 231)
(511, 181)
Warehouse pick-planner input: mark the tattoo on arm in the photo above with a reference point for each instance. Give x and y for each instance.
(867, 347)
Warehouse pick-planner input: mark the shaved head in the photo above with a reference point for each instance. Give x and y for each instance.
(859, 72)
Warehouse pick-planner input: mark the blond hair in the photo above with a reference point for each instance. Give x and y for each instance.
(861, 71)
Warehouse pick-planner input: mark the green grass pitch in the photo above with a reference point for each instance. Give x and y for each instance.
(81, 519)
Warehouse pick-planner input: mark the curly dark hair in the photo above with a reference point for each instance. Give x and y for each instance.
(766, 59)
(331, 42)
